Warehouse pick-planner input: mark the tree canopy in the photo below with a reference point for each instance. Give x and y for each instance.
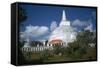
(22, 14)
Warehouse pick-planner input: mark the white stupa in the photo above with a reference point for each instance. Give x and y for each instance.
(64, 32)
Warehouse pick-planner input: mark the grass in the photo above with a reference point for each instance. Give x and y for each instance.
(31, 56)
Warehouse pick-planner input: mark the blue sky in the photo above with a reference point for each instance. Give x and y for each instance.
(44, 15)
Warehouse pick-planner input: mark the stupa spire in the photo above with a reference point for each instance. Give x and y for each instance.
(64, 15)
(64, 21)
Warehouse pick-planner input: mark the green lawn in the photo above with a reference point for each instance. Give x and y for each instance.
(31, 56)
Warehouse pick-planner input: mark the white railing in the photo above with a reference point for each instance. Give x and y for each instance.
(33, 49)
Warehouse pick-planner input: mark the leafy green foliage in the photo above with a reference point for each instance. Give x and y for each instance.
(79, 48)
(21, 57)
(57, 49)
(22, 15)
(45, 54)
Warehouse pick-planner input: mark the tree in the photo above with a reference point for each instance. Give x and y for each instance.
(22, 15)
(57, 49)
(45, 54)
(21, 57)
(79, 47)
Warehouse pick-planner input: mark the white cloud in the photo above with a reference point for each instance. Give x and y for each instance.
(90, 27)
(80, 23)
(34, 31)
(53, 25)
